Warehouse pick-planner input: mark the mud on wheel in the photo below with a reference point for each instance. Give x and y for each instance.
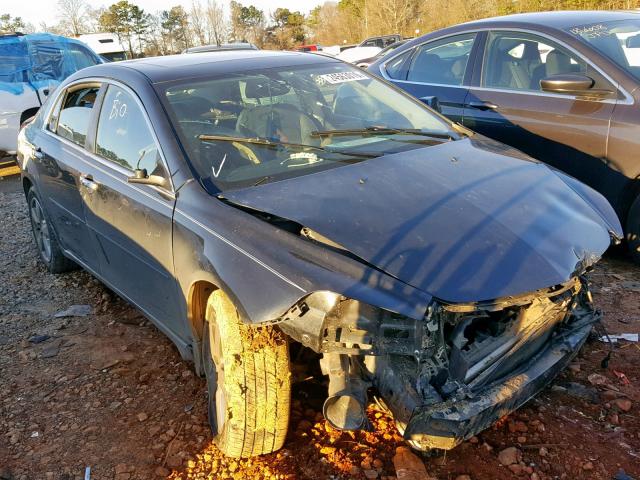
(248, 381)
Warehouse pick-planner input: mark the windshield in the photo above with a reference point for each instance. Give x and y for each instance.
(257, 127)
(619, 40)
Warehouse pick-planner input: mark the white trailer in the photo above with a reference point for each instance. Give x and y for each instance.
(106, 45)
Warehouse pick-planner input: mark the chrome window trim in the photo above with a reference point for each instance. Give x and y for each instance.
(628, 100)
(61, 96)
(105, 161)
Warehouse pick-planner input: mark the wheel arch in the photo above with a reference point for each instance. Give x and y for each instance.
(197, 305)
(26, 185)
(28, 113)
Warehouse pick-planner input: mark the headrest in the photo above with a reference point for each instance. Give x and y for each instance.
(558, 62)
(265, 87)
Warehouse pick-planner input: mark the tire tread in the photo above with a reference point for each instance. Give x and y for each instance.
(256, 368)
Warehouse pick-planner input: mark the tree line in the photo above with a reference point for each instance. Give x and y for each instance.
(334, 22)
(350, 21)
(165, 32)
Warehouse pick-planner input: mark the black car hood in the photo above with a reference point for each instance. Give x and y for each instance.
(470, 220)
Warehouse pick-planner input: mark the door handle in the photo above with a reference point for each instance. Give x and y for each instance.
(87, 181)
(483, 105)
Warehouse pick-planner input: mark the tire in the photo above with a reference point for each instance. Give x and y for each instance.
(633, 231)
(248, 381)
(45, 238)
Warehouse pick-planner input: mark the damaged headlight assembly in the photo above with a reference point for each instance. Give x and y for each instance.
(446, 376)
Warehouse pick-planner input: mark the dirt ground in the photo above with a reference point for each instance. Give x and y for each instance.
(108, 391)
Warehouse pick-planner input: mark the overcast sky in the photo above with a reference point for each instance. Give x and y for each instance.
(37, 11)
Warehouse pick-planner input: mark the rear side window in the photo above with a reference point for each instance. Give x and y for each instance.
(75, 114)
(442, 62)
(124, 136)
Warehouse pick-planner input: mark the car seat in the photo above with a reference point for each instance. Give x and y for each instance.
(429, 68)
(277, 121)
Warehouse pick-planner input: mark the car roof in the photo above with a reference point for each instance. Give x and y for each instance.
(221, 47)
(557, 19)
(175, 67)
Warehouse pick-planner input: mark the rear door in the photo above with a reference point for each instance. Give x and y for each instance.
(438, 68)
(132, 223)
(60, 163)
(508, 105)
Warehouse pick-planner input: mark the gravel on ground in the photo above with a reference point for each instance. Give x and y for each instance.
(108, 392)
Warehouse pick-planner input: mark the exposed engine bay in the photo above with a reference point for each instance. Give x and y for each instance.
(450, 375)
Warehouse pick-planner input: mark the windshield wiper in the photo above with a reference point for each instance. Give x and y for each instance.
(261, 180)
(376, 130)
(272, 144)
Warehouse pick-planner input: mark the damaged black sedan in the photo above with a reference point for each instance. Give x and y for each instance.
(250, 201)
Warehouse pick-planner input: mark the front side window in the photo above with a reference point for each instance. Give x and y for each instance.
(619, 40)
(256, 127)
(374, 42)
(123, 135)
(442, 62)
(75, 115)
(518, 61)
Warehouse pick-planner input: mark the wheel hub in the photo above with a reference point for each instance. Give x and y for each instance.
(40, 229)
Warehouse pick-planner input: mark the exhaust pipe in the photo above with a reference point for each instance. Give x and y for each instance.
(344, 409)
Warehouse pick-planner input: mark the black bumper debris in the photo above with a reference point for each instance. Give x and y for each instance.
(446, 425)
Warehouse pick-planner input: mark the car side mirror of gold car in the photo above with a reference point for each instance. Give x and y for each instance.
(573, 84)
(140, 176)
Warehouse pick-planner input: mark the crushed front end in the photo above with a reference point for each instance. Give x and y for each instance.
(451, 374)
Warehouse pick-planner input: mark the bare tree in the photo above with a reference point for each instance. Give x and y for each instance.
(198, 21)
(216, 22)
(73, 16)
(392, 16)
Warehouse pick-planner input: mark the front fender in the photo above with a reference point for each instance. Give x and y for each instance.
(597, 202)
(265, 270)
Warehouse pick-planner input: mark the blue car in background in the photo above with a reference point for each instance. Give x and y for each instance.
(31, 67)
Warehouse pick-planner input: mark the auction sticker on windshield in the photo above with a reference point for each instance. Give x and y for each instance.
(342, 77)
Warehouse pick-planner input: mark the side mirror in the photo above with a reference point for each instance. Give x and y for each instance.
(633, 42)
(140, 176)
(566, 83)
(573, 84)
(432, 102)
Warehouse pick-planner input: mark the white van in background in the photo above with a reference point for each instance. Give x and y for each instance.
(106, 45)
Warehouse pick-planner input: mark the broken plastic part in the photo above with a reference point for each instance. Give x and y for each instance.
(344, 408)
